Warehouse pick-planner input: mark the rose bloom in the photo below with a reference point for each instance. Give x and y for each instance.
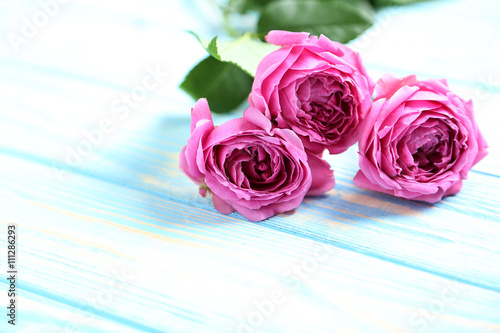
(418, 141)
(314, 86)
(250, 167)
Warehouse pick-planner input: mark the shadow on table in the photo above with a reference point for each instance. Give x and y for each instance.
(347, 206)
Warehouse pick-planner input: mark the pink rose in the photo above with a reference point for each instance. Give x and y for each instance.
(314, 86)
(419, 140)
(250, 167)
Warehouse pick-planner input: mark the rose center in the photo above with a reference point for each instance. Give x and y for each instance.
(324, 105)
(428, 150)
(249, 167)
(258, 164)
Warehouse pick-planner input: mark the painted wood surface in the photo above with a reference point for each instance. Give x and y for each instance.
(116, 239)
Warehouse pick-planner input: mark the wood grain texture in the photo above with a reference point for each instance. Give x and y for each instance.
(170, 260)
(120, 241)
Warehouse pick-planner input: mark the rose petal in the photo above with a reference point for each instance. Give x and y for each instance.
(256, 117)
(388, 84)
(221, 206)
(280, 37)
(322, 175)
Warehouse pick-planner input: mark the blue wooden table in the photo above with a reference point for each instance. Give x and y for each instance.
(112, 237)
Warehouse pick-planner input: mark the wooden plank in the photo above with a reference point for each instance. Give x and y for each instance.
(445, 228)
(186, 268)
(438, 238)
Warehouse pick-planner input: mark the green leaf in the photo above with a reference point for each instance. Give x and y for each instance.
(225, 78)
(245, 52)
(223, 84)
(383, 3)
(339, 20)
(209, 46)
(242, 6)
